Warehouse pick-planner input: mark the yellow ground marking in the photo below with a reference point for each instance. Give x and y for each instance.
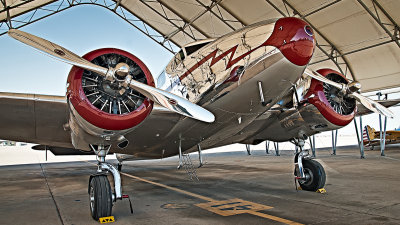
(232, 207)
(238, 204)
(174, 206)
(108, 219)
(275, 218)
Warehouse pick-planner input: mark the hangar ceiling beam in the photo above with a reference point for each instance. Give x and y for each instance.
(232, 14)
(8, 13)
(394, 35)
(132, 18)
(33, 17)
(190, 22)
(276, 8)
(321, 8)
(59, 6)
(165, 16)
(335, 54)
(6, 8)
(220, 17)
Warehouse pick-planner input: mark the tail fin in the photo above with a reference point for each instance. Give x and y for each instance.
(368, 134)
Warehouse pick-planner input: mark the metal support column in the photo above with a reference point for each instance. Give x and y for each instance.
(267, 147)
(334, 141)
(383, 138)
(312, 145)
(360, 141)
(200, 155)
(248, 149)
(380, 123)
(180, 155)
(45, 148)
(276, 146)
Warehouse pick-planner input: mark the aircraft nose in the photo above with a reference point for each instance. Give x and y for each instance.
(294, 38)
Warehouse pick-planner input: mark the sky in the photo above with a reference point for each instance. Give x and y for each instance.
(82, 29)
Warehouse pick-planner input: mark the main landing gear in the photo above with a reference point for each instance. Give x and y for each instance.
(308, 173)
(101, 195)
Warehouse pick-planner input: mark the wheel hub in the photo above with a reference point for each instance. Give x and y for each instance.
(91, 198)
(309, 178)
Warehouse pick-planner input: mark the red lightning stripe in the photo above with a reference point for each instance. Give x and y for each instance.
(216, 59)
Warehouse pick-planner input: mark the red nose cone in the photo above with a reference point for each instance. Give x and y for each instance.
(294, 38)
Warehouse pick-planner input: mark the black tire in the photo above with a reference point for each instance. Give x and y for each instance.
(100, 197)
(315, 174)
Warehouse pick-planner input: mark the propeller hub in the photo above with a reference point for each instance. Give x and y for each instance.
(121, 70)
(354, 86)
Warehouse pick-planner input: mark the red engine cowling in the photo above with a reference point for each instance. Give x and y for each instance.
(103, 104)
(335, 106)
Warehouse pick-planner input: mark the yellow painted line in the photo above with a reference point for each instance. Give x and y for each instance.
(255, 213)
(275, 218)
(170, 188)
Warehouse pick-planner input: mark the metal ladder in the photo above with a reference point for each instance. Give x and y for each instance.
(189, 168)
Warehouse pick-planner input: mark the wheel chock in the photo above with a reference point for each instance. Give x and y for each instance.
(321, 190)
(299, 188)
(108, 219)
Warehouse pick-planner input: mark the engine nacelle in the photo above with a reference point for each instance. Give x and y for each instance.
(101, 112)
(335, 106)
(314, 107)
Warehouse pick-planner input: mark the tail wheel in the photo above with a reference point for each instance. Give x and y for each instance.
(315, 176)
(100, 196)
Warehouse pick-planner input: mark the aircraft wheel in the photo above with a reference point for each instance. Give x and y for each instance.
(315, 176)
(100, 196)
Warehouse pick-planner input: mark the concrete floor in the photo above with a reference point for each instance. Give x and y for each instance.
(259, 189)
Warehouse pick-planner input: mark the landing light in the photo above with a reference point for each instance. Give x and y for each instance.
(308, 31)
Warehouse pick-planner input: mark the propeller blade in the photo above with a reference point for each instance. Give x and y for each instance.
(56, 51)
(368, 103)
(321, 78)
(373, 105)
(170, 101)
(173, 102)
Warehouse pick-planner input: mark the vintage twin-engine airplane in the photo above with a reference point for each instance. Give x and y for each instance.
(247, 86)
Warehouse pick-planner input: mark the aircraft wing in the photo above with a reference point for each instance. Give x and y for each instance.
(34, 118)
(362, 110)
(40, 119)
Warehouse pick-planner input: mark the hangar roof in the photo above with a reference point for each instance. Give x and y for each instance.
(358, 37)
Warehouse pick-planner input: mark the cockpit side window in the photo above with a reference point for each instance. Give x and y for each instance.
(194, 48)
(181, 55)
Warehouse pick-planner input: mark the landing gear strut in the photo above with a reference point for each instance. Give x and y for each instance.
(101, 195)
(308, 173)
